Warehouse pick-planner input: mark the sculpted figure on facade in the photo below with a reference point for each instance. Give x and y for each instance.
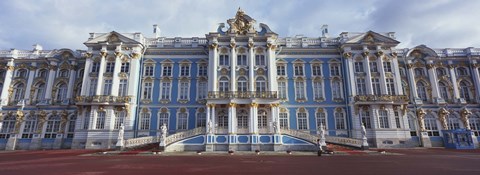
(464, 114)
(421, 119)
(163, 130)
(442, 116)
(18, 120)
(241, 24)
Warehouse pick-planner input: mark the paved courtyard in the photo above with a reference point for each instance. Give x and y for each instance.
(87, 162)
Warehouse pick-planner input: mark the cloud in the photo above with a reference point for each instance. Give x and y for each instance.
(65, 24)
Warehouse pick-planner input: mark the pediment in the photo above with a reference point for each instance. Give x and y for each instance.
(371, 37)
(112, 37)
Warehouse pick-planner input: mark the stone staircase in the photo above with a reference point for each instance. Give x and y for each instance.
(344, 141)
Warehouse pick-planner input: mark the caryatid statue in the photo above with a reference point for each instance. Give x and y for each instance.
(464, 114)
(442, 116)
(421, 118)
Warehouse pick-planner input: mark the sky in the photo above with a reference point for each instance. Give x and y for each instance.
(57, 24)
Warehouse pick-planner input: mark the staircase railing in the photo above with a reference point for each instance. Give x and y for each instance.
(357, 143)
(134, 142)
(184, 134)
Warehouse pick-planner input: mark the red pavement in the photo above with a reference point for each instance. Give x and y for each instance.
(414, 161)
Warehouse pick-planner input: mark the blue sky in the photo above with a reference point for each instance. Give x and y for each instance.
(59, 24)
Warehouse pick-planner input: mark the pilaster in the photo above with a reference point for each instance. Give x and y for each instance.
(7, 83)
(86, 81)
(251, 66)
(456, 93)
(28, 89)
(433, 81)
(103, 63)
(233, 67)
(50, 81)
(116, 71)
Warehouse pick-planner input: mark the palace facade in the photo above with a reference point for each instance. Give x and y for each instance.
(244, 84)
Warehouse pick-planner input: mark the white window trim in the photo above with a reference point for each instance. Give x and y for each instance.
(323, 89)
(189, 85)
(160, 93)
(178, 119)
(308, 122)
(326, 118)
(286, 88)
(304, 90)
(168, 119)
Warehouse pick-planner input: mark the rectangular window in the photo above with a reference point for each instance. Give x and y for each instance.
(242, 121)
(184, 90)
(316, 70)
(373, 67)
(318, 90)
(125, 67)
(300, 90)
(185, 70)
(242, 60)
(201, 119)
(93, 87)
(383, 118)
(202, 70)
(361, 88)
(281, 70)
(148, 72)
(359, 67)
(321, 121)
(145, 121)
(222, 121)
(390, 86)
(100, 123)
(29, 128)
(147, 90)
(366, 119)
(182, 121)
(376, 86)
(202, 90)
(71, 129)
(119, 119)
(302, 121)
(387, 66)
(262, 121)
(397, 119)
(110, 67)
(299, 70)
(122, 89)
(86, 120)
(165, 91)
(163, 119)
(167, 71)
(283, 117)
(282, 89)
(95, 67)
(223, 60)
(335, 70)
(107, 88)
(260, 60)
(339, 120)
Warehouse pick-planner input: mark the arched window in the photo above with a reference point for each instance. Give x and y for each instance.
(29, 126)
(431, 125)
(441, 72)
(145, 121)
(21, 73)
(40, 92)
(474, 121)
(261, 84)
(100, 123)
(412, 124)
(42, 73)
(61, 92)
(8, 126)
(78, 91)
(464, 90)
(422, 91)
(443, 89)
(224, 84)
(262, 119)
(461, 71)
(19, 92)
(242, 119)
(71, 126)
(182, 123)
(242, 84)
(302, 120)
(340, 122)
(63, 73)
(383, 119)
(53, 126)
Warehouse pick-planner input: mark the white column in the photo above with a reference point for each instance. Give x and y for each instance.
(116, 71)
(86, 81)
(433, 80)
(7, 83)
(213, 119)
(51, 79)
(251, 66)
(231, 118)
(383, 84)
(369, 76)
(254, 118)
(71, 83)
(351, 76)
(134, 78)
(29, 84)
(456, 93)
(398, 79)
(271, 69)
(413, 84)
(233, 67)
(208, 116)
(476, 78)
(100, 82)
(212, 69)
